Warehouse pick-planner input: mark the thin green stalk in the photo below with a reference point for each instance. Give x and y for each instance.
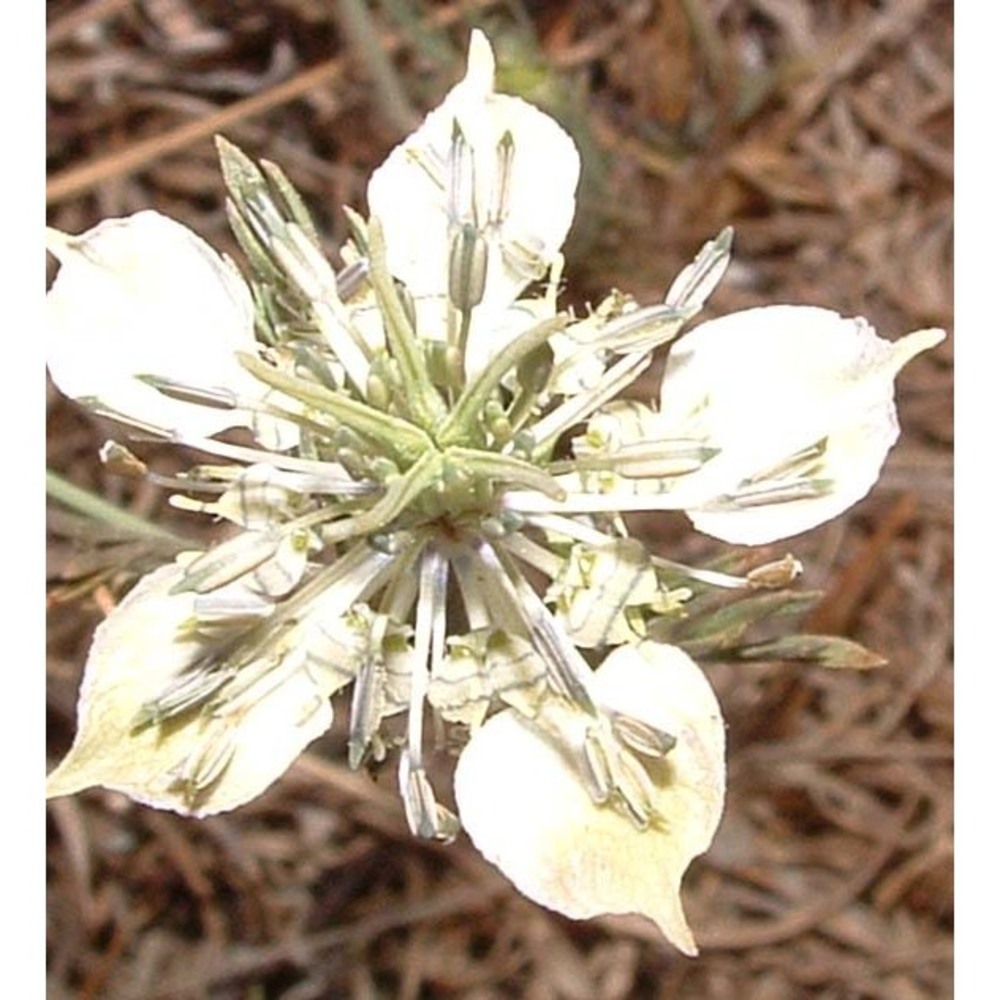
(462, 418)
(92, 506)
(422, 399)
(403, 439)
(356, 20)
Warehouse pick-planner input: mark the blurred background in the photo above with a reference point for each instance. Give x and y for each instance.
(822, 131)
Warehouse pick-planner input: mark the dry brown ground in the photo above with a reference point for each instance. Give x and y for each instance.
(822, 131)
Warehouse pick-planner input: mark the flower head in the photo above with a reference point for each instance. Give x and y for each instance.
(429, 513)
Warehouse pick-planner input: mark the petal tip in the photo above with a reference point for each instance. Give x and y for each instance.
(62, 781)
(481, 62)
(58, 243)
(907, 348)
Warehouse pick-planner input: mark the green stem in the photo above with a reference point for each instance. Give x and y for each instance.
(399, 494)
(457, 428)
(92, 506)
(399, 437)
(506, 469)
(420, 396)
(356, 21)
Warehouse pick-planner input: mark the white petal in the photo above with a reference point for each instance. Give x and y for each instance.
(527, 811)
(764, 384)
(409, 192)
(143, 295)
(135, 655)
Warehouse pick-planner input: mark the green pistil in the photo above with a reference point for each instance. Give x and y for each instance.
(462, 426)
(419, 395)
(396, 437)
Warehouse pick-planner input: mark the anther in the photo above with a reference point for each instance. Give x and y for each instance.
(500, 194)
(468, 255)
(461, 179)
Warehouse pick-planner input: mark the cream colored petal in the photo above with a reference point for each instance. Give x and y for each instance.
(143, 295)
(247, 745)
(526, 810)
(409, 193)
(851, 464)
(764, 385)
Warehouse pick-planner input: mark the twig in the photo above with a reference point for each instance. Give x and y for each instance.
(760, 934)
(76, 180)
(69, 24)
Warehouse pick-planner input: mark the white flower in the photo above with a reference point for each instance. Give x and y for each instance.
(144, 296)
(428, 537)
(521, 800)
(797, 403)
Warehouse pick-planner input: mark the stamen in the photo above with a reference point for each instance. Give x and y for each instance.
(276, 576)
(697, 281)
(577, 501)
(230, 606)
(502, 180)
(431, 162)
(570, 528)
(523, 257)
(367, 697)
(351, 278)
(636, 790)
(659, 459)
(228, 561)
(775, 575)
(216, 398)
(430, 607)
(467, 259)
(802, 464)
(642, 329)
(331, 592)
(764, 494)
(597, 769)
(568, 671)
(320, 477)
(641, 736)
(424, 815)
(461, 173)
(426, 818)
(534, 555)
(576, 409)
(118, 460)
(197, 772)
(189, 691)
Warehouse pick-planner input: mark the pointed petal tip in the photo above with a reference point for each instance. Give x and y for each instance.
(680, 936)
(907, 348)
(481, 62)
(62, 781)
(58, 243)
